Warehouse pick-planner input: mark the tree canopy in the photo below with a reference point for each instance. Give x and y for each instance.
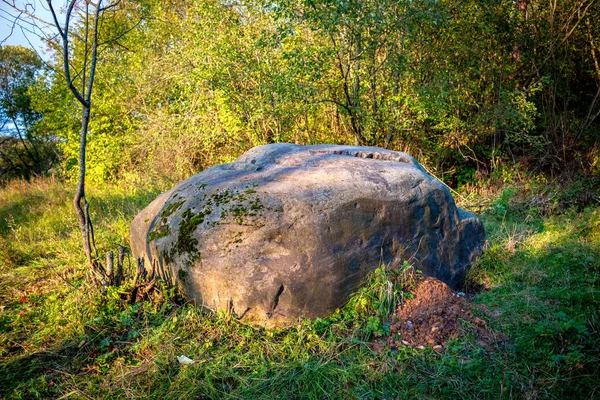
(24, 149)
(465, 86)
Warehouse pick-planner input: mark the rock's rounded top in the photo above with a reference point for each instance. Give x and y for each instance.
(286, 154)
(289, 230)
(297, 171)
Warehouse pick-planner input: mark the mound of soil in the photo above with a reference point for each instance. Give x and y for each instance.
(435, 315)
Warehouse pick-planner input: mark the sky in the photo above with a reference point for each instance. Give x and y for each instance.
(23, 30)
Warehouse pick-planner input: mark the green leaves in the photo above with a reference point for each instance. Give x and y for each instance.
(463, 84)
(25, 149)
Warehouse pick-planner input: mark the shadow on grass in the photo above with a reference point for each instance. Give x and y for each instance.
(544, 292)
(36, 375)
(38, 228)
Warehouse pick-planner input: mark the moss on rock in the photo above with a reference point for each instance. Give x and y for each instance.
(186, 242)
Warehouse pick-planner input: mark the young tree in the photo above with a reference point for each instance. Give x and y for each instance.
(90, 15)
(79, 30)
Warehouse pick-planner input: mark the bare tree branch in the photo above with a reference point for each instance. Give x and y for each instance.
(27, 13)
(94, 53)
(64, 33)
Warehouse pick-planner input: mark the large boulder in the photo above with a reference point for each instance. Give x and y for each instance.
(289, 231)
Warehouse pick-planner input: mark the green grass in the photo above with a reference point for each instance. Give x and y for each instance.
(61, 337)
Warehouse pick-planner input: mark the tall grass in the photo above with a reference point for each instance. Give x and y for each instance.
(62, 337)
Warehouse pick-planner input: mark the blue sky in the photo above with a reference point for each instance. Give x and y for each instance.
(24, 30)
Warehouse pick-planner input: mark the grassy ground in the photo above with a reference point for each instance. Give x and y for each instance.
(61, 337)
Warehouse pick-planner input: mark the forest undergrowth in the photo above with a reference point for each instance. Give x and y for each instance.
(536, 285)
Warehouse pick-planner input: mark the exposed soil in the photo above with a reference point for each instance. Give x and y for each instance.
(437, 314)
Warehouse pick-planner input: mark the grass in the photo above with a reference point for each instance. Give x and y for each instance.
(61, 338)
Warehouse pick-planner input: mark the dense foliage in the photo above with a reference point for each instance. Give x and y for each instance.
(25, 148)
(465, 86)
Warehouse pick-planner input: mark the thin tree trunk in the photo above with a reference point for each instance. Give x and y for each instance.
(392, 126)
(82, 216)
(356, 106)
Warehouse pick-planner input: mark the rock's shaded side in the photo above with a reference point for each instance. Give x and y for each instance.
(289, 231)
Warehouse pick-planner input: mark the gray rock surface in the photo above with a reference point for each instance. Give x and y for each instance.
(289, 231)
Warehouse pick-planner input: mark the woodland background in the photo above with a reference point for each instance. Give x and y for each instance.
(466, 86)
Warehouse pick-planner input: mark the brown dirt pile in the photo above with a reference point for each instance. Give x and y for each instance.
(435, 315)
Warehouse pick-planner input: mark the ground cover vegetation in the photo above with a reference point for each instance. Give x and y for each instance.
(500, 99)
(536, 287)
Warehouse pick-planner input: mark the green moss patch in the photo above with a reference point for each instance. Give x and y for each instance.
(158, 232)
(161, 229)
(171, 208)
(186, 242)
(238, 204)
